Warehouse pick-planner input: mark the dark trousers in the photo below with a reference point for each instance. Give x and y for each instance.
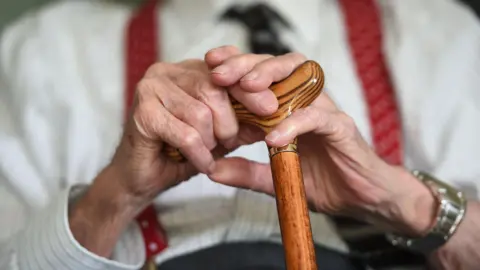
(254, 256)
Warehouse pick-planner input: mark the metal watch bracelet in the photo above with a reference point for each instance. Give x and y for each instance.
(452, 207)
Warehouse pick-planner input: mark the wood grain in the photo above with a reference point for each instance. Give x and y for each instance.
(296, 91)
(293, 212)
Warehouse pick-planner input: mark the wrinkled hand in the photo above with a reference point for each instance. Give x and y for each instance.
(342, 174)
(179, 105)
(175, 104)
(187, 106)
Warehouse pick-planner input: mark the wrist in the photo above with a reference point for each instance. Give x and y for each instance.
(106, 197)
(98, 218)
(410, 208)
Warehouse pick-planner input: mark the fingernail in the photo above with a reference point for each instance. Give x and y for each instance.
(220, 70)
(250, 77)
(272, 136)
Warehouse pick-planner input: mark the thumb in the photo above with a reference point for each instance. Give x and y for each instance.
(243, 173)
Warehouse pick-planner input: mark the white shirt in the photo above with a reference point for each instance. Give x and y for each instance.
(61, 113)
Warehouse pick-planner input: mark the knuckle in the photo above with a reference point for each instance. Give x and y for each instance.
(189, 80)
(192, 81)
(146, 85)
(191, 139)
(151, 86)
(144, 117)
(156, 69)
(200, 113)
(144, 110)
(213, 95)
(314, 116)
(239, 60)
(348, 124)
(347, 120)
(248, 60)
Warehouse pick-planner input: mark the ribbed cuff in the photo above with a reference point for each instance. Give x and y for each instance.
(49, 244)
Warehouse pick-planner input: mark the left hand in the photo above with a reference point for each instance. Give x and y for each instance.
(342, 174)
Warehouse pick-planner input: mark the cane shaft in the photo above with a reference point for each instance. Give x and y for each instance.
(292, 210)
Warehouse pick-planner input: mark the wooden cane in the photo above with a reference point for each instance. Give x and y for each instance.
(298, 90)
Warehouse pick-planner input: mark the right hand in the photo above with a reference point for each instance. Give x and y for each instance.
(178, 104)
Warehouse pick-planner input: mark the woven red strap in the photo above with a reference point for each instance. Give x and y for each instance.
(141, 52)
(141, 47)
(363, 25)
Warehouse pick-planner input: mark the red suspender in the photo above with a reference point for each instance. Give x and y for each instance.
(141, 52)
(363, 25)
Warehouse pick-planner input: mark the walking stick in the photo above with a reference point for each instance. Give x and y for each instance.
(297, 91)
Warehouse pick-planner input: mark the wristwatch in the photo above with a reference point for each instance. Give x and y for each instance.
(452, 207)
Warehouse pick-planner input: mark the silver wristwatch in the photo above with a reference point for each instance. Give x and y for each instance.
(452, 207)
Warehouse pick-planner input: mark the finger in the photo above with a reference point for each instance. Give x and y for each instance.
(187, 109)
(225, 124)
(247, 134)
(156, 123)
(262, 103)
(234, 68)
(243, 173)
(309, 119)
(216, 56)
(271, 70)
(199, 87)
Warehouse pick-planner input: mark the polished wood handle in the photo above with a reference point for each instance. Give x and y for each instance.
(296, 91)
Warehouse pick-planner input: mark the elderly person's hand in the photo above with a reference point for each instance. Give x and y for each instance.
(176, 104)
(342, 174)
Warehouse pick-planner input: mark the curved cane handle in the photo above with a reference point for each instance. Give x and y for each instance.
(296, 91)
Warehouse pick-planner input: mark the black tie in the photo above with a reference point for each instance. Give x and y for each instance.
(263, 25)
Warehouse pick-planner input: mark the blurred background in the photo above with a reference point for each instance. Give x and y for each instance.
(11, 9)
